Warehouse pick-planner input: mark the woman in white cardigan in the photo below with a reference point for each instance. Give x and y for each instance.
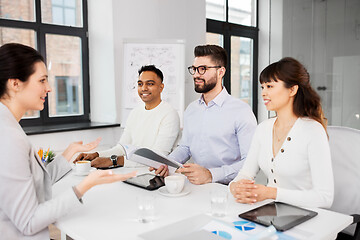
(26, 205)
(291, 149)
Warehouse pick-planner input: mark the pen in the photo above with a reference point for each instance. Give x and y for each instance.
(47, 153)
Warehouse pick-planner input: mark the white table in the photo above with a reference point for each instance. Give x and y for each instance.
(110, 212)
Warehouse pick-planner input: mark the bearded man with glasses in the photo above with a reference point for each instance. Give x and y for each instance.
(218, 128)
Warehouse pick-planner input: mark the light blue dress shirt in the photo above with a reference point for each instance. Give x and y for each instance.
(217, 136)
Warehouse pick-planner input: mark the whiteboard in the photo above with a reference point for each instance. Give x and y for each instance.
(169, 57)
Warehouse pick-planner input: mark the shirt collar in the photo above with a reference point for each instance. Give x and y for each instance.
(218, 100)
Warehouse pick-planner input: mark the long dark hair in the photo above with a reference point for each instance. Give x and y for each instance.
(307, 102)
(16, 61)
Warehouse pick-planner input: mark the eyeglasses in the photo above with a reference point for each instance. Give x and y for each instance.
(200, 69)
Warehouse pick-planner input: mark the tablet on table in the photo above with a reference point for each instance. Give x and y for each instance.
(147, 181)
(281, 215)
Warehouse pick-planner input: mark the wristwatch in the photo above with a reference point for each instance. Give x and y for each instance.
(113, 158)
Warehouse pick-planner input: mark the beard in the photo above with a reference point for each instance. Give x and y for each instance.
(207, 86)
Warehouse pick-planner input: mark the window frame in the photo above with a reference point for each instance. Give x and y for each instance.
(228, 29)
(41, 29)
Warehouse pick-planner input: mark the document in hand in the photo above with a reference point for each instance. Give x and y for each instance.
(148, 157)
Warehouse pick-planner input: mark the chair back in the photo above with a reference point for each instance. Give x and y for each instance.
(345, 155)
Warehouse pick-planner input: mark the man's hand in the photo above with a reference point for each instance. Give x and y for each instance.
(101, 162)
(196, 173)
(86, 156)
(163, 170)
(246, 191)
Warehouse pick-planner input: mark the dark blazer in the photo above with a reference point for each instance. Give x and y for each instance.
(26, 205)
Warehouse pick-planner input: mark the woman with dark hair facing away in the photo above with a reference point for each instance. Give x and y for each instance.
(26, 205)
(292, 149)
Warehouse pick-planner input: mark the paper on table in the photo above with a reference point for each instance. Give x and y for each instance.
(245, 230)
(149, 158)
(224, 230)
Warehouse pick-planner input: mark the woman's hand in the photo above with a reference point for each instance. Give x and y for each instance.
(246, 191)
(100, 177)
(76, 147)
(242, 191)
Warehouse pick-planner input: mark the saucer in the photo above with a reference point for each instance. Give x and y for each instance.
(163, 191)
(83, 173)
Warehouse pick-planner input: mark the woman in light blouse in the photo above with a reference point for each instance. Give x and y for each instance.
(291, 149)
(26, 205)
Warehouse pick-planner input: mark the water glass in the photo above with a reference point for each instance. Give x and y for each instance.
(219, 198)
(146, 208)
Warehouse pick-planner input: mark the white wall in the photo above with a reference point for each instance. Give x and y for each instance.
(264, 51)
(158, 19)
(101, 62)
(110, 22)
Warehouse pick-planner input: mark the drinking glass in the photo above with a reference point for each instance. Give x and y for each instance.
(218, 199)
(146, 208)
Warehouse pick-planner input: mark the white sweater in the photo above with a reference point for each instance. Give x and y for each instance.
(156, 129)
(301, 170)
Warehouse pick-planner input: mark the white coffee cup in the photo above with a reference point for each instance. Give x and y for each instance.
(175, 183)
(83, 166)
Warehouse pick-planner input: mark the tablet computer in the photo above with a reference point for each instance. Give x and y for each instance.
(110, 167)
(281, 215)
(147, 181)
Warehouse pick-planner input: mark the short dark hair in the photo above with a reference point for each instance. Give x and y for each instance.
(152, 68)
(215, 52)
(17, 61)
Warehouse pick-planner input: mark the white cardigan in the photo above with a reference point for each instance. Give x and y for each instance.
(301, 170)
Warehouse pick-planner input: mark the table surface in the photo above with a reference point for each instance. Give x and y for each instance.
(110, 211)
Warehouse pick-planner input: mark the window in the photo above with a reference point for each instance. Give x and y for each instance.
(58, 30)
(67, 101)
(63, 12)
(232, 24)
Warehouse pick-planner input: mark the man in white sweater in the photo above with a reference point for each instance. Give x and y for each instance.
(155, 126)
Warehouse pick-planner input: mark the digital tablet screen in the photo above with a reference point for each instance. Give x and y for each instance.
(281, 215)
(147, 181)
(110, 167)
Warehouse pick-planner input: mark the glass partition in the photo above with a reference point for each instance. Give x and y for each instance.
(325, 37)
